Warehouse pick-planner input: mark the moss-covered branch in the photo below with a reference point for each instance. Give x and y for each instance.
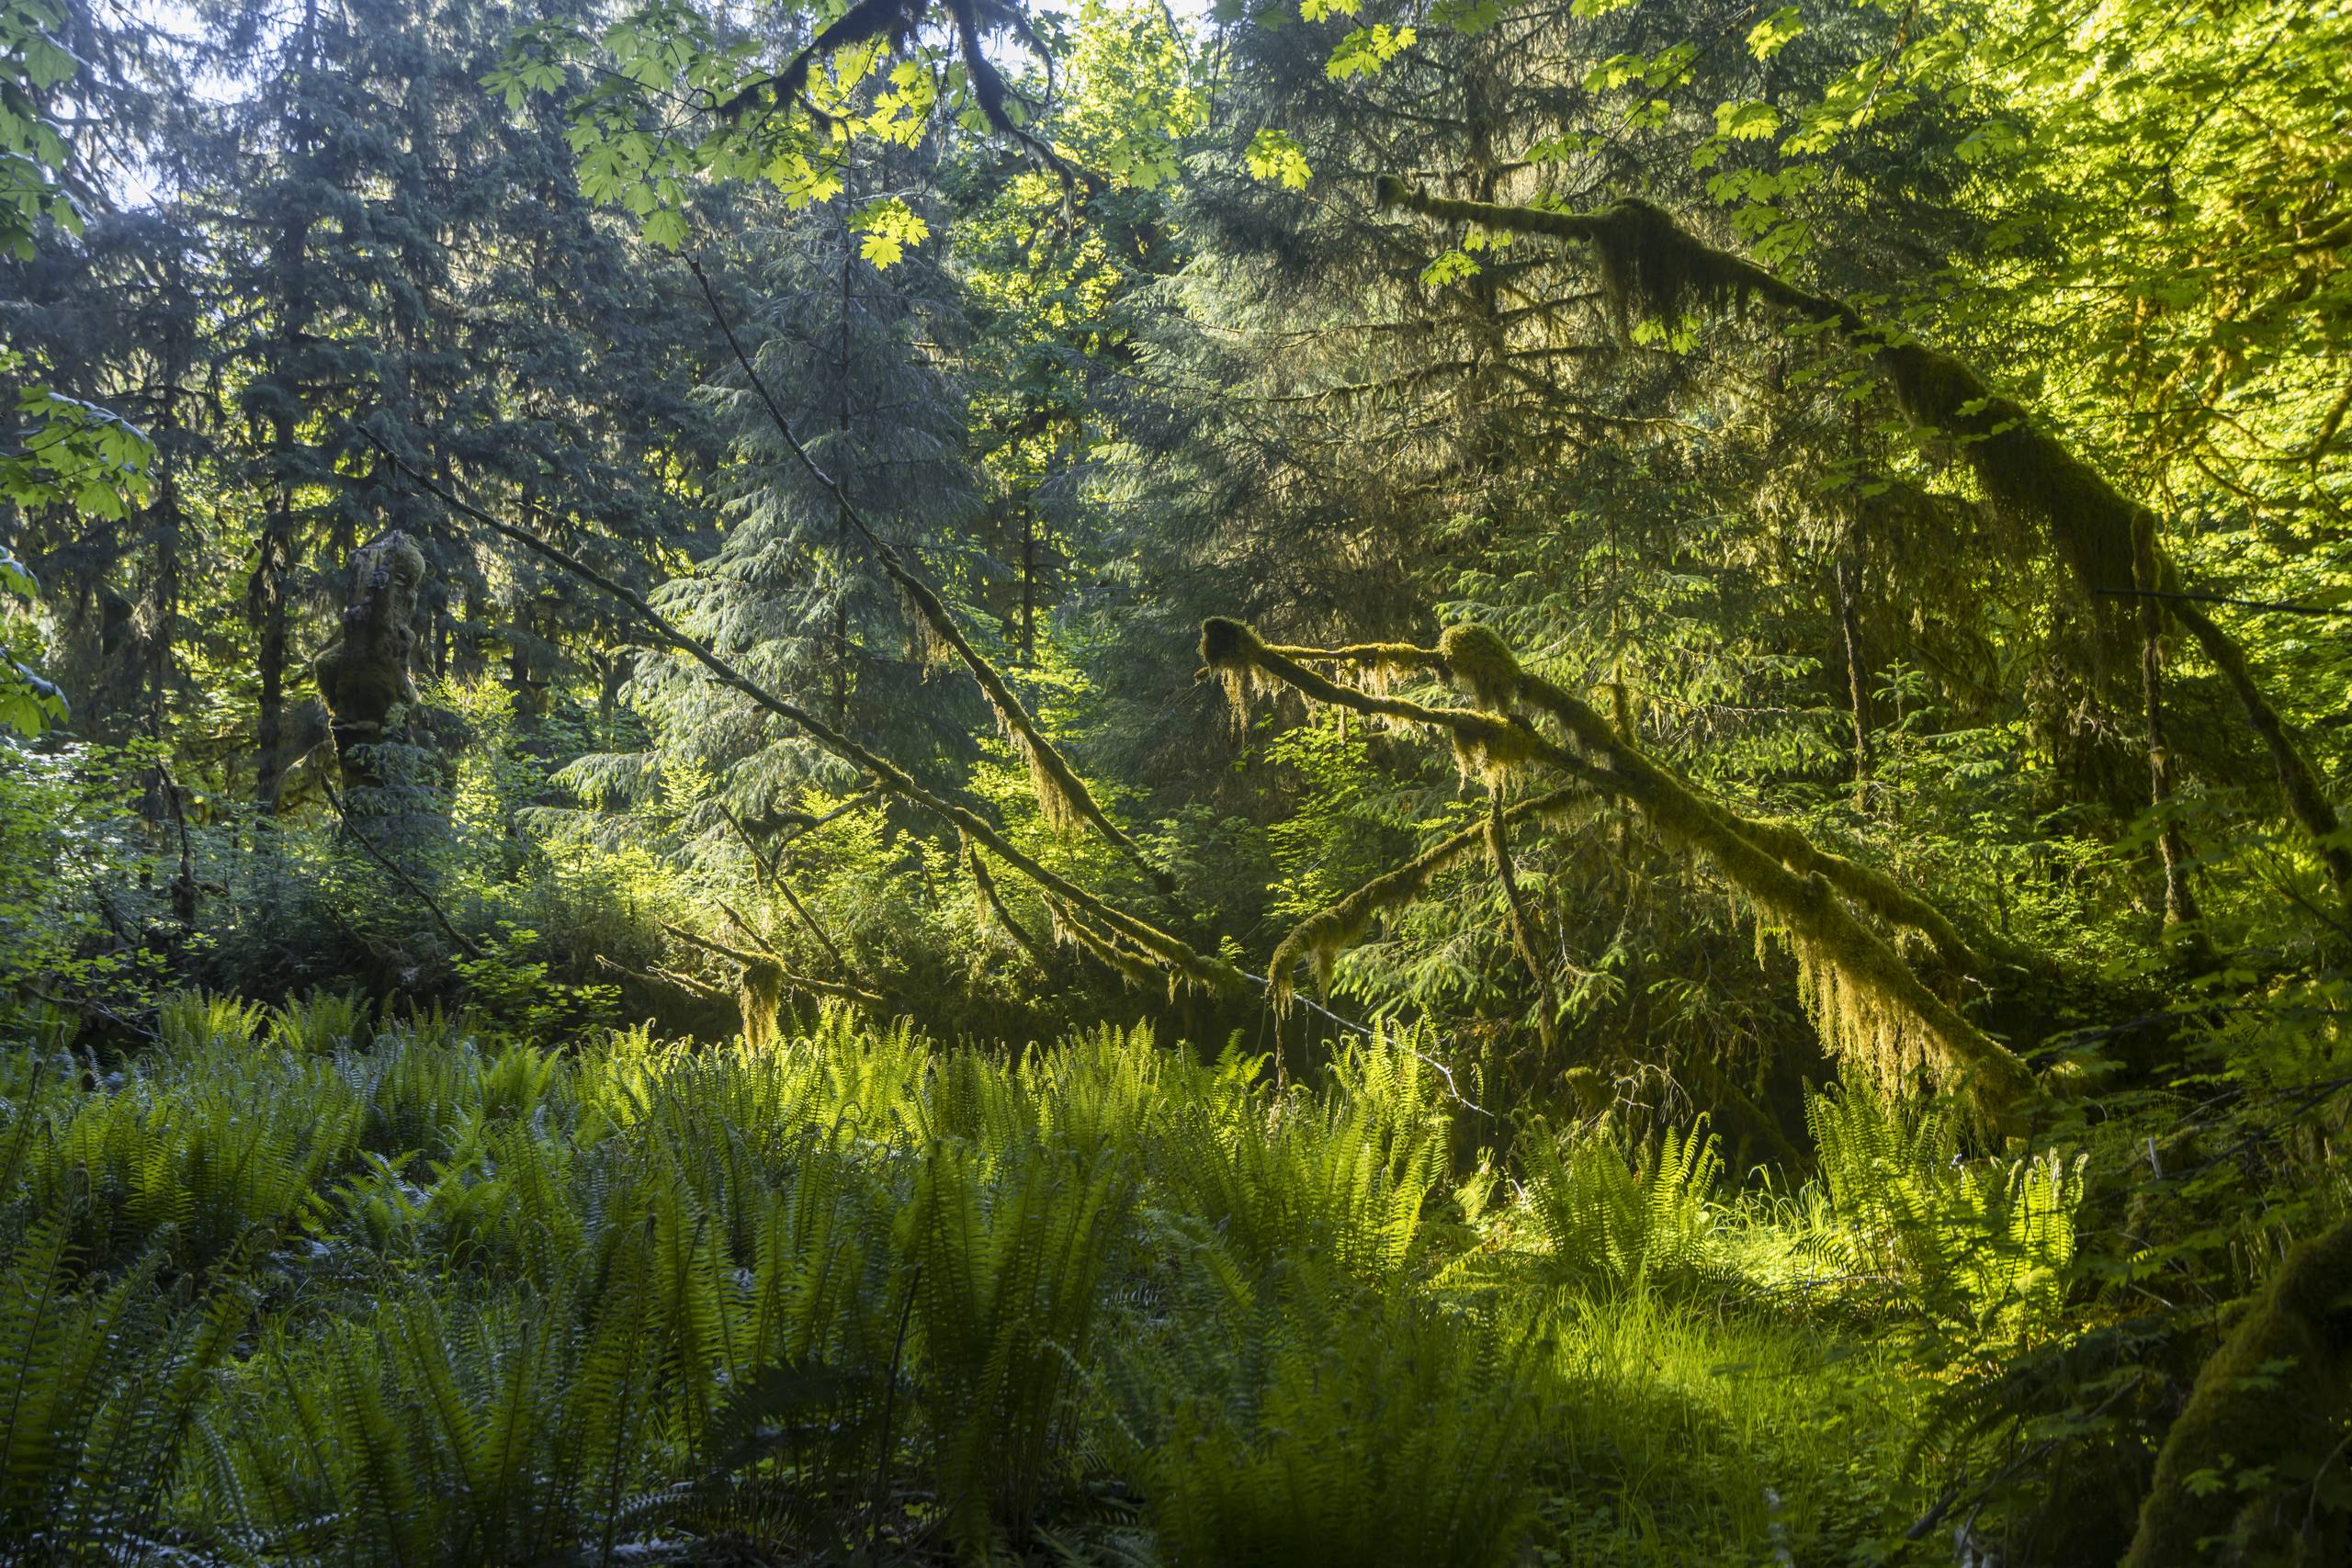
(1106, 946)
(994, 909)
(1651, 265)
(1476, 660)
(1523, 923)
(1865, 999)
(760, 990)
(1873, 890)
(1332, 930)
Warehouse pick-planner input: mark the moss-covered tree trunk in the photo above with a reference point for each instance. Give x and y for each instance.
(364, 677)
(2276, 1393)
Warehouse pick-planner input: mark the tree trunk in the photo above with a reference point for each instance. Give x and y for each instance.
(2274, 1390)
(265, 596)
(1856, 684)
(841, 473)
(365, 676)
(2172, 847)
(1028, 584)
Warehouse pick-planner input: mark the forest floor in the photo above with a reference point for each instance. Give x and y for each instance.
(299, 1285)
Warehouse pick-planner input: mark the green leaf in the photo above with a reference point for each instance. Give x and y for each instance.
(1772, 35)
(1751, 122)
(1451, 268)
(1365, 50)
(889, 226)
(666, 230)
(1275, 156)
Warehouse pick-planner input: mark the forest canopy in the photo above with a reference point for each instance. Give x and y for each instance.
(1388, 782)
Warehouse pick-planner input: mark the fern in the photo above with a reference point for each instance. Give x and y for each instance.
(1978, 1247)
(99, 1388)
(1304, 1419)
(1615, 1219)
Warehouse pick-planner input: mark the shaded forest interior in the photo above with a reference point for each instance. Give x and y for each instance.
(1412, 781)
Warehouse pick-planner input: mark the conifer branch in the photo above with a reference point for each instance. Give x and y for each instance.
(1209, 973)
(1062, 795)
(1651, 264)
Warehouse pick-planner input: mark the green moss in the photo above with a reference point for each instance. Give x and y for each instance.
(1481, 664)
(760, 996)
(2280, 1385)
(1652, 267)
(1227, 644)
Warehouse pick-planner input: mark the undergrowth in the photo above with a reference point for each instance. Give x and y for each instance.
(311, 1285)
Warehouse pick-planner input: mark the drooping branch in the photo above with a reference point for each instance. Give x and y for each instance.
(433, 907)
(1650, 264)
(1339, 925)
(700, 990)
(1866, 999)
(1198, 969)
(994, 907)
(1873, 890)
(1105, 947)
(1061, 794)
(763, 963)
(771, 875)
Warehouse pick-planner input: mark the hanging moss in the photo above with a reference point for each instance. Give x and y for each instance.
(1493, 756)
(1869, 1001)
(2279, 1386)
(1137, 969)
(1230, 652)
(1648, 262)
(764, 981)
(1651, 269)
(1872, 889)
(1377, 666)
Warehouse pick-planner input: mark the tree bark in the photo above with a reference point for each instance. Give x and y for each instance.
(274, 562)
(2172, 846)
(1857, 685)
(365, 676)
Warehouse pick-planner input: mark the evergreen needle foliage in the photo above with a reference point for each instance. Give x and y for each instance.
(1464, 782)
